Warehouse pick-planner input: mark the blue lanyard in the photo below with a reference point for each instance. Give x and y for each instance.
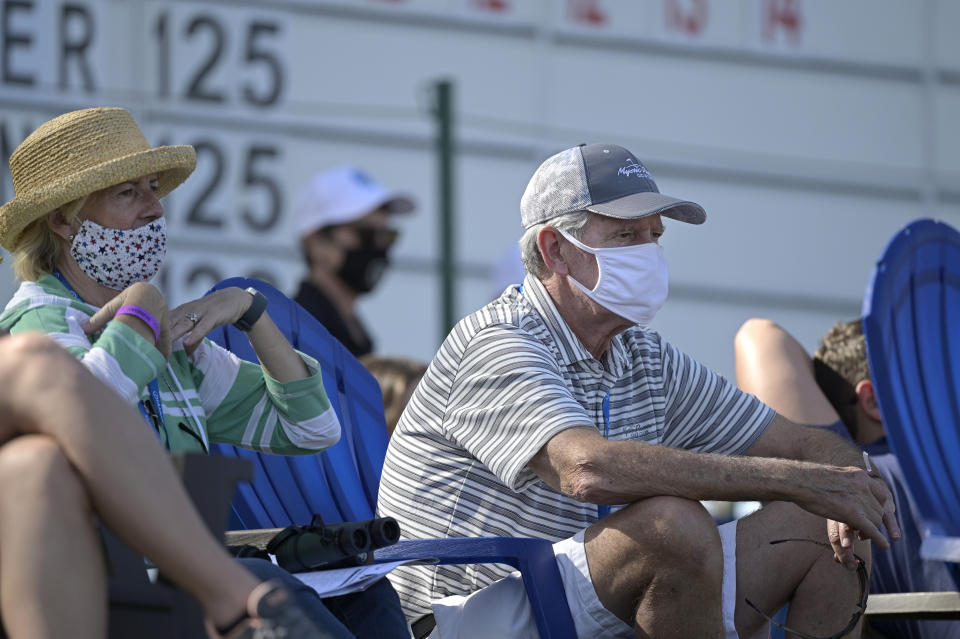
(157, 408)
(153, 386)
(57, 274)
(603, 511)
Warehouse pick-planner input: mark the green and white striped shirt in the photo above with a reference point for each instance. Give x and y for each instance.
(211, 395)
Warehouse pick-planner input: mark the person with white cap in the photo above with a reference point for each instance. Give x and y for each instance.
(87, 232)
(343, 220)
(555, 412)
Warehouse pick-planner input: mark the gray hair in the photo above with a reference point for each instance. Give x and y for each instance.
(571, 223)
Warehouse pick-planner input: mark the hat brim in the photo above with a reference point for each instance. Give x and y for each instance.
(398, 203)
(393, 203)
(387, 200)
(172, 164)
(640, 205)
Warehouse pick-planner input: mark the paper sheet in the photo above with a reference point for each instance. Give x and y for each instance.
(340, 581)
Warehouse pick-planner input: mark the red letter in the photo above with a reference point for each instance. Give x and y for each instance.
(690, 21)
(493, 6)
(587, 11)
(782, 14)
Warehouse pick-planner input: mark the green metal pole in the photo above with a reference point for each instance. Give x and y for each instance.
(444, 116)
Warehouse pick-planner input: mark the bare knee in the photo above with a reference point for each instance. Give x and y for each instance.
(29, 361)
(35, 472)
(752, 328)
(20, 350)
(676, 533)
(653, 554)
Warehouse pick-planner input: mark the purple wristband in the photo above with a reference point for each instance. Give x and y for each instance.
(143, 314)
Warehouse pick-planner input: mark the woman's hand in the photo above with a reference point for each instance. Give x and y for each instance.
(226, 306)
(149, 298)
(198, 317)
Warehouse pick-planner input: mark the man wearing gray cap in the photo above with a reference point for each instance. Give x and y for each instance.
(553, 412)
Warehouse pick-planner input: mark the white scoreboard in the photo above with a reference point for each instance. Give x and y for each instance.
(810, 130)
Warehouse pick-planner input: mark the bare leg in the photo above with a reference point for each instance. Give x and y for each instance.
(822, 593)
(658, 565)
(129, 480)
(52, 583)
(772, 365)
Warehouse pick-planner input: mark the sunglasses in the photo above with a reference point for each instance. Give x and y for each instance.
(854, 618)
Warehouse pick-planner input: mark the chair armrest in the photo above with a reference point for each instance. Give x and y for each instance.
(258, 537)
(534, 559)
(914, 605)
(937, 547)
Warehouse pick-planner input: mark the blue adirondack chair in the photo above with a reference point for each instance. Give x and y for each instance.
(341, 483)
(911, 316)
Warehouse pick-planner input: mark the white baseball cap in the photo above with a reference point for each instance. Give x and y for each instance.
(341, 195)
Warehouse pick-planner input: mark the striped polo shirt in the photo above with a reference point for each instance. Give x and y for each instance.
(505, 381)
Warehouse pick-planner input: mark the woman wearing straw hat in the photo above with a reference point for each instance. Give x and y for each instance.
(87, 232)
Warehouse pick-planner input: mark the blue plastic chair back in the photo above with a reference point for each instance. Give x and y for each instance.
(911, 316)
(341, 483)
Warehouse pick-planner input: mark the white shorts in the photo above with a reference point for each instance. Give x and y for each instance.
(502, 609)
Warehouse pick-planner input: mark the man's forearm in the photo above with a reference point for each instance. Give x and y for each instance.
(788, 440)
(822, 446)
(582, 464)
(645, 470)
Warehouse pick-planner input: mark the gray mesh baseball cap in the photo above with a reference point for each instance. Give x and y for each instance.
(602, 178)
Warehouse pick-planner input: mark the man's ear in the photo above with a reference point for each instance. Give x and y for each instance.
(548, 241)
(59, 225)
(867, 399)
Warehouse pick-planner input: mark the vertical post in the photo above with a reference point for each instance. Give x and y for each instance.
(443, 112)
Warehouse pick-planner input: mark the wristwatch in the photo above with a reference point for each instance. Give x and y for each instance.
(250, 317)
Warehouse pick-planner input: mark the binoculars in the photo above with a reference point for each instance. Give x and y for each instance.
(319, 546)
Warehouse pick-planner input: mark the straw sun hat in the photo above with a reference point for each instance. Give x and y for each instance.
(79, 153)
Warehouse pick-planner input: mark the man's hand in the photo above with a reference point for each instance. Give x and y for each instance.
(856, 505)
(842, 535)
(146, 296)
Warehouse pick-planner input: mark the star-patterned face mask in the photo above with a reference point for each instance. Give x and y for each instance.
(116, 259)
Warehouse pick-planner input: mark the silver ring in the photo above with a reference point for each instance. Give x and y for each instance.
(193, 317)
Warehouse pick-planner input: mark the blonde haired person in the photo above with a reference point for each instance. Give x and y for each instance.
(398, 378)
(87, 232)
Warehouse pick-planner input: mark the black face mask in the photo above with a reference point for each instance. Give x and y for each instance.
(363, 267)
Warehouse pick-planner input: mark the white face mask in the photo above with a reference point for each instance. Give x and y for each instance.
(116, 259)
(632, 281)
